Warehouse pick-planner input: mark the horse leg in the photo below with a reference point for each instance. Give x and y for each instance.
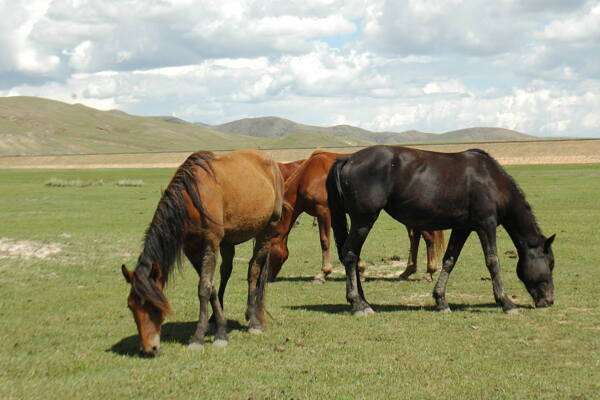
(359, 229)
(257, 277)
(227, 254)
(204, 262)
(487, 237)
(429, 237)
(324, 219)
(455, 245)
(414, 237)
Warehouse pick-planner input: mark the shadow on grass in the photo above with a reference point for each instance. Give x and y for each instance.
(342, 278)
(171, 332)
(345, 308)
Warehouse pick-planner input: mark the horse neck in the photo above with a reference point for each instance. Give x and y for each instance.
(163, 242)
(289, 214)
(521, 225)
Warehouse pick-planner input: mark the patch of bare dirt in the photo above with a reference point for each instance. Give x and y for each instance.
(27, 249)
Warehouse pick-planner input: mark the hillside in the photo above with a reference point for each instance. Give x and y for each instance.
(277, 127)
(481, 134)
(31, 125)
(270, 127)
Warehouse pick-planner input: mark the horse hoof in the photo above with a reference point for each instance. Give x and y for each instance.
(363, 313)
(445, 310)
(512, 311)
(427, 278)
(318, 281)
(220, 343)
(195, 346)
(255, 331)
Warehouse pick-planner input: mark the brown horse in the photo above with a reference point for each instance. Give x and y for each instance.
(305, 192)
(212, 203)
(288, 168)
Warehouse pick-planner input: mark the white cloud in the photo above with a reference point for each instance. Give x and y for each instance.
(431, 65)
(448, 86)
(585, 26)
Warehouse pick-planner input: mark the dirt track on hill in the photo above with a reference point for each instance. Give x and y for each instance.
(507, 153)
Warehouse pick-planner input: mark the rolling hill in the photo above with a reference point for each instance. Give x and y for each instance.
(276, 127)
(32, 125)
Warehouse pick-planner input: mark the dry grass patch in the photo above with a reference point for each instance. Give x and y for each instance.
(27, 249)
(130, 182)
(56, 182)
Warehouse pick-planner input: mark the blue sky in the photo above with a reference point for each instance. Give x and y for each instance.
(431, 65)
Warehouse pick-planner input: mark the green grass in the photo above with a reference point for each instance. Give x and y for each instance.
(66, 332)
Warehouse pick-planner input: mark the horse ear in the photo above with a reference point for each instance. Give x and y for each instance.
(127, 273)
(549, 242)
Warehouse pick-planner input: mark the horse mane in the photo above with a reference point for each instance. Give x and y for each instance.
(517, 191)
(163, 239)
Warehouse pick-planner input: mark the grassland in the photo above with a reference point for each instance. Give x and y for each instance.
(67, 334)
(294, 147)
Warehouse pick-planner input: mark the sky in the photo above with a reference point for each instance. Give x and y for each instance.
(383, 65)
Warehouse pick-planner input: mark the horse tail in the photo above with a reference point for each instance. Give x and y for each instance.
(335, 199)
(438, 247)
(278, 205)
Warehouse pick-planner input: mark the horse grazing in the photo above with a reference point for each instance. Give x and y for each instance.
(212, 203)
(305, 192)
(288, 168)
(465, 192)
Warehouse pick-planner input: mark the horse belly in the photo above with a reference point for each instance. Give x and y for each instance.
(248, 209)
(434, 216)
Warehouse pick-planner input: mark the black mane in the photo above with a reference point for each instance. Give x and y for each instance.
(163, 239)
(518, 192)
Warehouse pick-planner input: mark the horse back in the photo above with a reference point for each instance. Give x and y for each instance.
(426, 190)
(309, 183)
(244, 193)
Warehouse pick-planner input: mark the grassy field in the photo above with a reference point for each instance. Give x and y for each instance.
(66, 332)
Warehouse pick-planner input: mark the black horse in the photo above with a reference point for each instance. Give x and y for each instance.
(465, 192)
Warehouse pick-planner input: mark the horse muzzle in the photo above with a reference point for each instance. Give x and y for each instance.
(544, 302)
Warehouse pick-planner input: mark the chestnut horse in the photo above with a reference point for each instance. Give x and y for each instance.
(305, 192)
(288, 168)
(465, 192)
(212, 203)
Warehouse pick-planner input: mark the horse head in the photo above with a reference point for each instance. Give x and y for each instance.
(535, 271)
(148, 305)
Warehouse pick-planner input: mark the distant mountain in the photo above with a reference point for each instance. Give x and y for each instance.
(481, 134)
(173, 120)
(276, 127)
(33, 125)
